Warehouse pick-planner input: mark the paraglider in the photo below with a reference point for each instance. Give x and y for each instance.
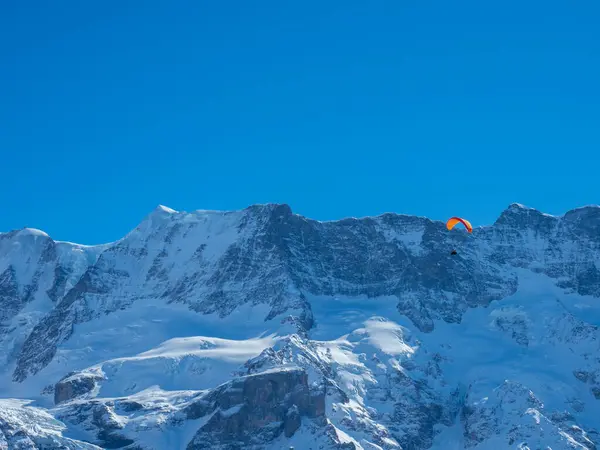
(452, 222)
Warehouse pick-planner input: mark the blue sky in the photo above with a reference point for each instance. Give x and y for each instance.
(338, 108)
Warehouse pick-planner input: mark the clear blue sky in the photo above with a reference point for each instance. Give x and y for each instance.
(338, 108)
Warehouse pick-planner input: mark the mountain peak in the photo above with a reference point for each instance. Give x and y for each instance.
(518, 215)
(164, 209)
(587, 211)
(159, 216)
(32, 232)
(517, 206)
(160, 212)
(520, 207)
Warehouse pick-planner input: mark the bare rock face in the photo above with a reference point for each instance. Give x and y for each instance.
(74, 386)
(99, 420)
(254, 410)
(9, 295)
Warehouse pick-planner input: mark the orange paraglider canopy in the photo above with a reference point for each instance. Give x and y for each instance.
(455, 220)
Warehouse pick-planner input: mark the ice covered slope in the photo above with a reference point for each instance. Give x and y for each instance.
(359, 333)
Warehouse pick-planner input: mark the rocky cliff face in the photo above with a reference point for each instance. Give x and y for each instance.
(255, 410)
(379, 337)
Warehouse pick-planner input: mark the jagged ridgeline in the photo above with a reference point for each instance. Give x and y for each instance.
(264, 329)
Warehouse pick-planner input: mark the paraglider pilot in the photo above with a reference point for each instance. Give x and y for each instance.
(452, 223)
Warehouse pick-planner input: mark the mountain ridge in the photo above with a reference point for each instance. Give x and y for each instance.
(165, 211)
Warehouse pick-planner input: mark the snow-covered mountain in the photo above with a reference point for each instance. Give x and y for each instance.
(262, 329)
